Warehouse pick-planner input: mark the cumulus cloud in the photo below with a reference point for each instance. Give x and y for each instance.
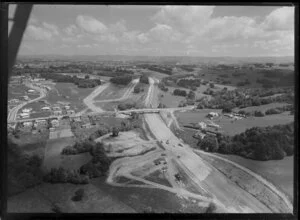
(39, 33)
(71, 30)
(163, 33)
(184, 18)
(280, 19)
(90, 24)
(52, 28)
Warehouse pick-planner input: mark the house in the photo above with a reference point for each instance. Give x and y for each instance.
(26, 110)
(199, 135)
(67, 107)
(54, 123)
(27, 124)
(86, 125)
(77, 118)
(12, 101)
(25, 97)
(24, 115)
(214, 125)
(70, 112)
(46, 108)
(58, 112)
(202, 125)
(56, 108)
(52, 129)
(228, 115)
(213, 114)
(41, 122)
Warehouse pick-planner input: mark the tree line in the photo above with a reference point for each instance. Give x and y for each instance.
(258, 143)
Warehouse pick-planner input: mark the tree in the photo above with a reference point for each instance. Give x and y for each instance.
(78, 195)
(191, 95)
(86, 76)
(115, 131)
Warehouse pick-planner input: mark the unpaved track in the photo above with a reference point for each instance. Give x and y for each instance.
(89, 100)
(126, 94)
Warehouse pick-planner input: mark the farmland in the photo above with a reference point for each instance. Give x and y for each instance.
(230, 126)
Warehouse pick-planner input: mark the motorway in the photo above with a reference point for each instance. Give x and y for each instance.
(226, 193)
(12, 115)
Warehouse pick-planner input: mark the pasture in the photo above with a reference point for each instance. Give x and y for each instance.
(230, 126)
(68, 92)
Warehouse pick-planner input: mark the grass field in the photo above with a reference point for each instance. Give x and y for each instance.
(231, 127)
(41, 199)
(112, 92)
(68, 92)
(52, 158)
(263, 108)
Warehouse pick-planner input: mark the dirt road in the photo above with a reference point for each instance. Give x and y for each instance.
(89, 100)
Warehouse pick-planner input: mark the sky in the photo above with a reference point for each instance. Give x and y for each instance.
(211, 31)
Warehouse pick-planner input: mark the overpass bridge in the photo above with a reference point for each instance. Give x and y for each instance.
(138, 111)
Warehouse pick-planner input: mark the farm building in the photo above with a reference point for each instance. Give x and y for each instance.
(46, 108)
(12, 101)
(26, 110)
(58, 112)
(56, 108)
(24, 115)
(41, 122)
(213, 114)
(30, 90)
(25, 97)
(86, 125)
(202, 125)
(229, 115)
(70, 112)
(27, 124)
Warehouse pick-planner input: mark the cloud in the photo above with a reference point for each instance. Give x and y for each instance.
(184, 18)
(163, 33)
(53, 28)
(280, 19)
(71, 30)
(90, 24)
(38, 33)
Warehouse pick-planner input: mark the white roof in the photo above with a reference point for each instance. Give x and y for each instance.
(46, 107)
(24, 114)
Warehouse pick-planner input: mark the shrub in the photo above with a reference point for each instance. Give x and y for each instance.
(272, 111)
(259, 114)
(179, 92)
(78, 195)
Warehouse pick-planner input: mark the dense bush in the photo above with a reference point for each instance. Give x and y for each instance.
(78, 148)
(259, 114)
(144, 79)
(61, 175)
(179, 92)
(78, 195)
(99, 165)
(162, 86)
(121, 80)
(189, 83)
(208, 143)
(269, 143)
(126, 105)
